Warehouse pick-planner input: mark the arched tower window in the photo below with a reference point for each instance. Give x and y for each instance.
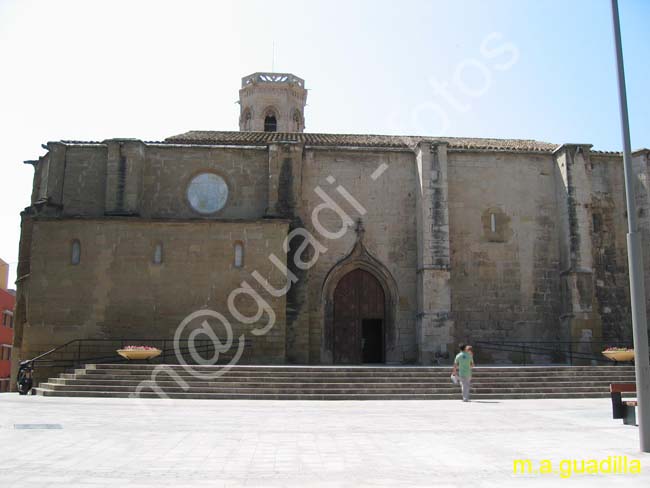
(270, 123)
(297, 121)
(75, 252)
(239, 254)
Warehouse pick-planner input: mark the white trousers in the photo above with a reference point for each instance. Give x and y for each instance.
(465, 386)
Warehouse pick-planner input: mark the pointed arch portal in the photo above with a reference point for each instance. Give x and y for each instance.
(359, 304)
(359, 307)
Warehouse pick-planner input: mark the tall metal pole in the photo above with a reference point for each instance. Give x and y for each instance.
(634, 256)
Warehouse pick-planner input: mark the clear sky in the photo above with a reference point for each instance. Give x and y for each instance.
(93, 70)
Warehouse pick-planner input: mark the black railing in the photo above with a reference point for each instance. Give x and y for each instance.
(550, 352)
(78, 352)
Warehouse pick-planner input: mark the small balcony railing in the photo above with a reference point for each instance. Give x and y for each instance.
(272, 78)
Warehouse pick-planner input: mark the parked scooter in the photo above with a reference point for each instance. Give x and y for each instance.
(24, 382)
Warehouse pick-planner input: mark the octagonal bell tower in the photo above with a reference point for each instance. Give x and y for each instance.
(272, 102)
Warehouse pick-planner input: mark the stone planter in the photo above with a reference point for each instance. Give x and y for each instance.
(139, 353)
(620, 356)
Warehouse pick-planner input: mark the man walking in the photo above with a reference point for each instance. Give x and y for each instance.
(463, 364)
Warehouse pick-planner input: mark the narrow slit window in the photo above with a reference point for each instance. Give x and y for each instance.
(493, 222)
(158, 254)
(297, 120)
(597, 222)
(239, 255)
(75, 254)
(247, 119)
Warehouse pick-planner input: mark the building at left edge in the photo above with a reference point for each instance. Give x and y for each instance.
(7, 305)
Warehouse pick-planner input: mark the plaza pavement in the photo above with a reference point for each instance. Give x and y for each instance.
(92, 442)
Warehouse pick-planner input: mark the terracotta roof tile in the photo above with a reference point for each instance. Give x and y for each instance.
(355, 140)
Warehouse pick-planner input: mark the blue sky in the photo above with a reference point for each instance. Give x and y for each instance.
(99, 69)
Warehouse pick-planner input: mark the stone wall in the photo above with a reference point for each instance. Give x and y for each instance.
(117, 291)
(169, 170)
(504, 269)
(84, 187)
(389, 233)
(156, 179)
(641, 168)
(610, 247)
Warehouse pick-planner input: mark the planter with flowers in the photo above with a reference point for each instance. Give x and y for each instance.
(139, 352)
(619, 354)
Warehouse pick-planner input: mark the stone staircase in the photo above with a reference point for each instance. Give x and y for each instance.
(336, 382)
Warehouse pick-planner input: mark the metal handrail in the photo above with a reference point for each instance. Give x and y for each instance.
(525, 348)
(26, 369)
(543, 347)
(37, 358)
(78, 359)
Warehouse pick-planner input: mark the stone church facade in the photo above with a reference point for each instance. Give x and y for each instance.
(362, 248)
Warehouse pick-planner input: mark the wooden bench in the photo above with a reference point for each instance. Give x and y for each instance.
(623, 409)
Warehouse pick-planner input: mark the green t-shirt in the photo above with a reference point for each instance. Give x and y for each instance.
(464, 360)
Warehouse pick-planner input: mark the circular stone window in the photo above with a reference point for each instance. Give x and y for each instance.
(207, 193)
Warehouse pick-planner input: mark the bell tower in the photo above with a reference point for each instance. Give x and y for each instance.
(272, 102)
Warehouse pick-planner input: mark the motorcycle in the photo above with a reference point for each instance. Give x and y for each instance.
(25, 381)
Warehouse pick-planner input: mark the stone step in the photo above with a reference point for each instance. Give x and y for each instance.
(162, 376)
(303, 396)
(332, 383)
(358, 369)
(333, 390)
(102, 369)
(301, 384)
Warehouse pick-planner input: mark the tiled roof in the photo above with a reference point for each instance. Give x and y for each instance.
(607, 153)
(355, 140)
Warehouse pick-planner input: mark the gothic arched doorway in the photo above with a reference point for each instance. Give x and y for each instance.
(359, 319)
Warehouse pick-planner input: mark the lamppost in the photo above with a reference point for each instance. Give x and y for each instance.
(634, 256)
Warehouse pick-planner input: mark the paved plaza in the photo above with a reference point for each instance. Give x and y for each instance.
(92, 442)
